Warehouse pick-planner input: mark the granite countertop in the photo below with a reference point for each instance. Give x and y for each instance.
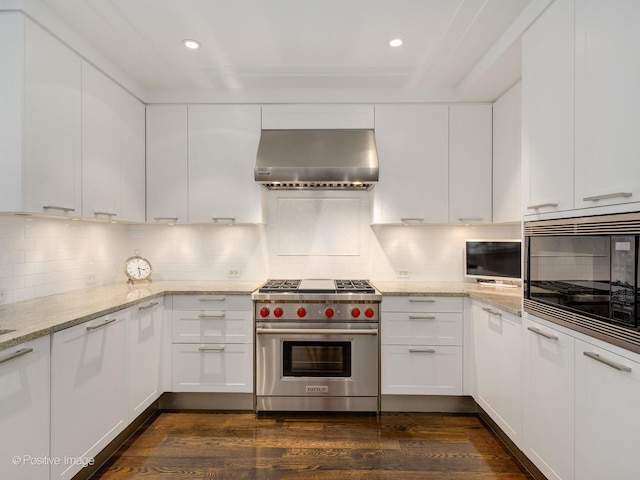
(508, 299)
(35, 318)
(41, 316)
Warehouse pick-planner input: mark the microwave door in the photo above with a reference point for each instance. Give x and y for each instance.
(624, 279)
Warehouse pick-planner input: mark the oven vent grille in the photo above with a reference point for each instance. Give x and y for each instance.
(621, 224)
(620, 336)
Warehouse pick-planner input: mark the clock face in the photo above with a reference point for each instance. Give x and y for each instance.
(137, 268)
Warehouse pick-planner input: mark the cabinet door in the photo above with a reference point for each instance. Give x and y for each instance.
(498, 359)
(167, 164)
(406, 328)
(212, 326)
(212, 368)
(548, 400)
(223, 142)
(132, 205)
(88, 400)
(413, 152)
(470, 150)
(607, 390)
(607, 102)
(421, 370)
(24, 410)
(52, 113)
(144, 350)
(548, 111)
(507, 157)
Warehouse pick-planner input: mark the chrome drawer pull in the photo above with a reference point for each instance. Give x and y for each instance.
(548, 336)
(422, 317)
(103, 324)
(412, 220)
(211, 349)
(223, 219)
(144, 307)
(167, 219)
(106, 214)
(471, 219)
(422, 350)
(421, 300)
(212, 315)
(53, 207)
(492, 312)
(16, 354)
(595, 198)
(609, 363)
(542, 205)
(212, 299)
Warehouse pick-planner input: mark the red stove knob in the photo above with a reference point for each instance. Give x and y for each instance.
(302, 312)
(369, 313)
(329, 312)
(264, 312)
(355, 313)
(278, 312)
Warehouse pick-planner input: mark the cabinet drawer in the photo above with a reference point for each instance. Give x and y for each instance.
(421, 370)
(212, 326)
(423, 303)
(212, 302)
(431, 328)
(212, 368)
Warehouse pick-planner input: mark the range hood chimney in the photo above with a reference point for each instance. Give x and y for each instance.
(317, 159)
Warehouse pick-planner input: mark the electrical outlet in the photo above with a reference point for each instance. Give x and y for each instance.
(90, 279)
(3, 294)
(233, 274)
(403, 274)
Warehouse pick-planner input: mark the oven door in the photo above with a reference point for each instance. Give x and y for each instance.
(317, 360)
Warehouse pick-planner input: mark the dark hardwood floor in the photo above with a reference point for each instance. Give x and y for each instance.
(401, 446)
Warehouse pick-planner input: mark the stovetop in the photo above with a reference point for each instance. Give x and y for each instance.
(317, 290)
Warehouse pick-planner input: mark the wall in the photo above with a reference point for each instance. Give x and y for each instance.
(46, 256)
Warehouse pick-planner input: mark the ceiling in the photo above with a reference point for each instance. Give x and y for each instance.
(299, 44)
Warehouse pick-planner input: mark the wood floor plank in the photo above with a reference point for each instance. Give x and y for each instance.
(297, 446)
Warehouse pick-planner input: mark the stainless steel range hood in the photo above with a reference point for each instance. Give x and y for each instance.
(317, 159)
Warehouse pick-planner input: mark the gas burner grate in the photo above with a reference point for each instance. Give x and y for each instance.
(360, 286)
(280, 286)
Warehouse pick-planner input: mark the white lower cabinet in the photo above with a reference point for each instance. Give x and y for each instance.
(88, 391)
(548, 399)
(607, 389)
(24, 411)
(421, 345)
(212, 347)
(144, 356)
(497, 347)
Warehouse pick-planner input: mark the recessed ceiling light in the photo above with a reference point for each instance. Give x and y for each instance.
(396, 42)
(191, 44)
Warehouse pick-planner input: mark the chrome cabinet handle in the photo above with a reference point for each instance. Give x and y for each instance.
(106, 214)
(218, 348)
(321, 331)
(103, 324)
(223, 219)
(471, 219)
(542, 205)
(169, 219)
(595, 198)
(144, 307)
(412, 220)
(422, 350)
(548, 336)
(492, 312)
(607, 362)
(212, 299)
(54, 207)
(422, 317)
(16, 354)
(212, 315)
(421, 300)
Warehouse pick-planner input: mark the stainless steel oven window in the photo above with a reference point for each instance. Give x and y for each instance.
(316, 359)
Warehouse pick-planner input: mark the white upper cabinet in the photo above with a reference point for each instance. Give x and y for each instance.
(548, 111)
(507, 156)
(167, 176)
(39, 121)
(223, 142)
(470, 152)
(413, 152)
(607, 103)
(113, 162)
(317, 116)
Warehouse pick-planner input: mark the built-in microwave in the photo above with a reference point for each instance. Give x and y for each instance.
(583, 273)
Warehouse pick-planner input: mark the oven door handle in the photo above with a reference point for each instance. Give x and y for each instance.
(318, 331)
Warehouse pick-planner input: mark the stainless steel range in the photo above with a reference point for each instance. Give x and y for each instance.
(317, 345)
